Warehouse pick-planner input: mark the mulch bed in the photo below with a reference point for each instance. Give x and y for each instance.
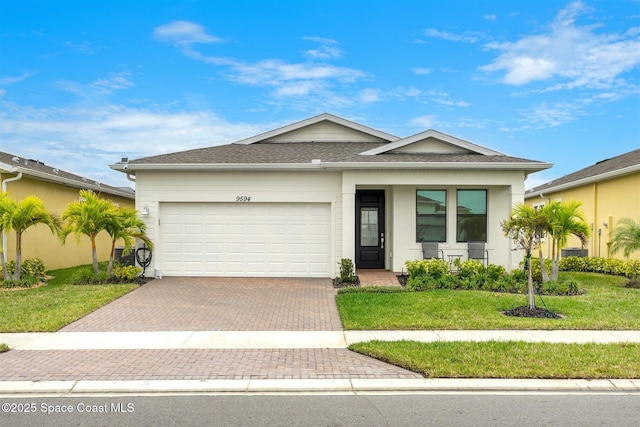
(338, 284)
(537, 312)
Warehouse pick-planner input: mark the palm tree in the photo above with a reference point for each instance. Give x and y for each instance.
(565, 220)
(525, 226)
(20, 216)
(626, 236)
(126, 225)
(4, 200)
(88, 216)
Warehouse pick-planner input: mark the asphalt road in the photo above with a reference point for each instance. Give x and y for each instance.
(327, 410)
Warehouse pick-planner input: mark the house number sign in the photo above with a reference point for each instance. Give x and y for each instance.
(243, 198)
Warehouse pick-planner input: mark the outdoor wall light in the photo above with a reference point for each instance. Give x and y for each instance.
(144, 210)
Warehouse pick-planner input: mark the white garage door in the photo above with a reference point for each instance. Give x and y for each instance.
(245, 239)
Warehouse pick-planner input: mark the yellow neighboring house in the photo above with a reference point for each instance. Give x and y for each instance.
(608, 191)
(22, 177)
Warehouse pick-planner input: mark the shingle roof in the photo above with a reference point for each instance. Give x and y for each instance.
(36, 169)
(305, 152)
(622, 164)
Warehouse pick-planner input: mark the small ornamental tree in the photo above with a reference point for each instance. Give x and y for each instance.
(524, 227)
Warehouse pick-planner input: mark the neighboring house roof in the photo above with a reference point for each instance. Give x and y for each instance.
(330, 142)
(35, 169)
(623, 164)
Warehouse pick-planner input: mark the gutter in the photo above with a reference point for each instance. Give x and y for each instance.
(18, 177)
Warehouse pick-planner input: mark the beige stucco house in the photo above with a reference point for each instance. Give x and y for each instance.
(295, 200)
(22, 177)
(608, 190)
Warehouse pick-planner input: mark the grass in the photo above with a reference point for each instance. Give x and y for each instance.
(509, 359)
(607, 305)
(49, 308)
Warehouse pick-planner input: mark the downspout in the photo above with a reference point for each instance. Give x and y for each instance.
(18, 177)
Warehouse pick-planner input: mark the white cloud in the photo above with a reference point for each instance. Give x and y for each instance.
(9, 80)
(573, 55)
(109, 132)
(184, 33)
(466, 37)
(369, 95)
(444, 98)
(421, 71)
(328, 49)
(490, 17)
(425, 121)
(115, 82)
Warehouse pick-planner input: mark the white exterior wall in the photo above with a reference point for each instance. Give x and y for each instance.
(153, 188)
(505, 188)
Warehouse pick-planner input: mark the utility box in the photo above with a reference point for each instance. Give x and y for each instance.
(128, 259)
(579, 252)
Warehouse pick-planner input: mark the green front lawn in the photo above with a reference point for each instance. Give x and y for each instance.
(496, 359)
(49, 308)
(607, 304)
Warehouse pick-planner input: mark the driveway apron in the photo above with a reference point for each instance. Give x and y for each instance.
(219, 304)
(206, 304)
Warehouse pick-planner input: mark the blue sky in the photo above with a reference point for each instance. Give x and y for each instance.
(84, 83)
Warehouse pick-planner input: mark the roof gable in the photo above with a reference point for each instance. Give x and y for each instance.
(323, 128)
(432, 142)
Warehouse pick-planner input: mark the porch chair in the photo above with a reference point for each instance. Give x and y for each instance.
(430, 250)
(478, 251)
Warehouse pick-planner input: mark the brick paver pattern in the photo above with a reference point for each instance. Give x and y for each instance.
(219, 304)
(206, 304)
(193, 364)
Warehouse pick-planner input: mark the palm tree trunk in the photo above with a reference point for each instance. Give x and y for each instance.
(543, 268)
(16, 273)
(530, 292)
(94, 254)
(5, 272)
(111, 257)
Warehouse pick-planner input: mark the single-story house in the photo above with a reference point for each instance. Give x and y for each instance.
(22, 177)
(608, 190)
(296, 200)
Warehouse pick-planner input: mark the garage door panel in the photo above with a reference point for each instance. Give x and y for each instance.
(271, 239)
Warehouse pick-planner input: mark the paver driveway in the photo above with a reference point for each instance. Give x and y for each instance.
(206, 304)
(219, 304)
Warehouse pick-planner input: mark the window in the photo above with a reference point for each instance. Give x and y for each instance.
(472, 215)
(431, 215)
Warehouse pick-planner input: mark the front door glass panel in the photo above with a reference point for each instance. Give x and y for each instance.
(369, 235)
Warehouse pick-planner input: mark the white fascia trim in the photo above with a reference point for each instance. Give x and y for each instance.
(584, 181)
(330, 165)
(216, 166)
(313, 120)
(432, 134)
(439, 165)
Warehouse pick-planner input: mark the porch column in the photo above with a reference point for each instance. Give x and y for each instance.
(348, 222)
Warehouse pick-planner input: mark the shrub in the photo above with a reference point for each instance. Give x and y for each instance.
(4, 348)
(561, 287)
(26, 281)
(28, 267)
(126, 273)
(427, 267)
(613, 266)
(347, 271)
(469, 268)
(86, 277)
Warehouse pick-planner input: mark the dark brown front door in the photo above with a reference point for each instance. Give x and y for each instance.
(370, 236)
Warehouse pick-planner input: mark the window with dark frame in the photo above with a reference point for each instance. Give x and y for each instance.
(471, 221)
(431, 215)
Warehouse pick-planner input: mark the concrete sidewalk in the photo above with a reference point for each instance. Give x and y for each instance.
(178, 358)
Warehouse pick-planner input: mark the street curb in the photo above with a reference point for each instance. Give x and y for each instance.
(339, 386)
